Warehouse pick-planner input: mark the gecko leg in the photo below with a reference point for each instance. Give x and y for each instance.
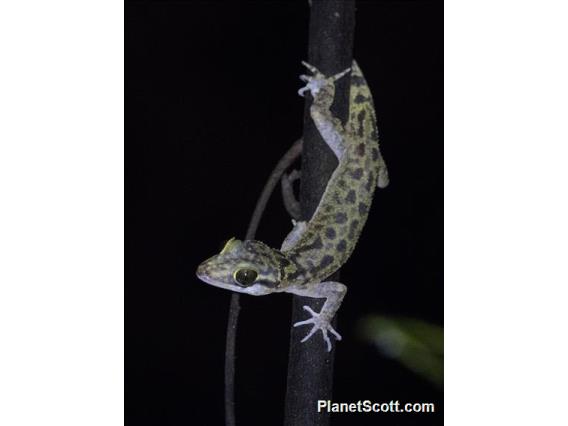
(322, 89)
(294, 235)
(291, 203)
(334, 293)
(383, 180)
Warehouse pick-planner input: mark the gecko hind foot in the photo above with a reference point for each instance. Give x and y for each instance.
(315, 82)
(319, 324)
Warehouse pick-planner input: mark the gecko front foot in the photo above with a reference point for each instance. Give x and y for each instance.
(319, 324)
(315, 82)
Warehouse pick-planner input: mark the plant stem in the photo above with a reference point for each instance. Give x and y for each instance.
(310, 366)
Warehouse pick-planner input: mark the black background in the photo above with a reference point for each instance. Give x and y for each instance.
(211, 105)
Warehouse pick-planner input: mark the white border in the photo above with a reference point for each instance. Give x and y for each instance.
(506, 212)
(61, 214)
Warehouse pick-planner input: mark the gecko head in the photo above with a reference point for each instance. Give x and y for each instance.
(243, 266)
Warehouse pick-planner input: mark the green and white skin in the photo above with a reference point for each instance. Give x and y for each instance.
(315, 249)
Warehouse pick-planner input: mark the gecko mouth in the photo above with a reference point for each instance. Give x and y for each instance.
(202, 274)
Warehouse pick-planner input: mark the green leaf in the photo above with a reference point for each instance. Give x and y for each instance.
(416, 344)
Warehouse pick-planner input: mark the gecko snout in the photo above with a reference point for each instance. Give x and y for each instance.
(201, 270)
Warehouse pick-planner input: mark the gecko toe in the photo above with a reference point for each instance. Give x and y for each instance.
(318, 324)
(335, 333)
(340, 74)
(326, 338)
(310, 310)
(310, 67)
(308, 321)
(310, 334)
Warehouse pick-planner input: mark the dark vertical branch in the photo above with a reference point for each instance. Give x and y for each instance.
(310, 366)
(291, 155)
(230, 341)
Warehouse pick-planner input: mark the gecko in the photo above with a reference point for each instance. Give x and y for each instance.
(318, 247)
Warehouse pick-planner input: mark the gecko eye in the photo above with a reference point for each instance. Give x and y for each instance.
(245, 276)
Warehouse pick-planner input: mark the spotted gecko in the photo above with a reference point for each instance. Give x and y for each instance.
(315, 249)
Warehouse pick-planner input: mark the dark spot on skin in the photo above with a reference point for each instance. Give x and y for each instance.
(370, 183)
(326, 261)
(297, 273)
(294, 275)
(316, 245)
(360, 150)
(267, 283)
(374, 135)
(352, 227)
(359, 99)
(361, 119)
(293, 258)
(357, 173)
(330, 233)
(283, 263)
(375, 154)
(340, 218)
(342, 245)
(351, 197)
(363, 208)
(341, 183)
(357, 80)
